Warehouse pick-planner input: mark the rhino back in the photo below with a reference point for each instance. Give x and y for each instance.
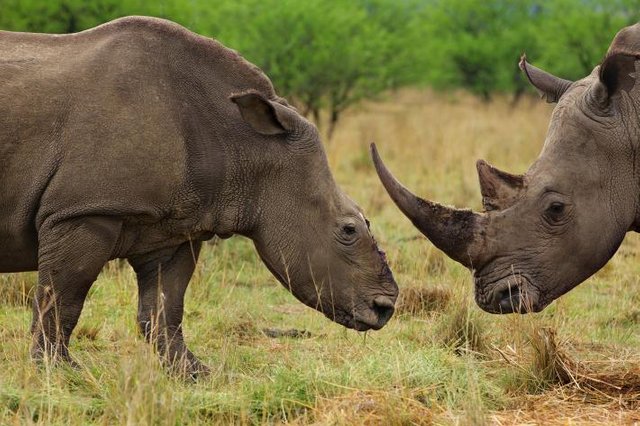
(131, 118)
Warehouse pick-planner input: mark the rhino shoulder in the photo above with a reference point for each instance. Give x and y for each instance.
(167, 35)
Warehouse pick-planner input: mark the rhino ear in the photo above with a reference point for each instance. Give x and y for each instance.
(264, 116)
(550, 87)
(617, 73)
(499, 189)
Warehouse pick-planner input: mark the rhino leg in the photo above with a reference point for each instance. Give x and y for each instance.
(70, 256)
(163, 277)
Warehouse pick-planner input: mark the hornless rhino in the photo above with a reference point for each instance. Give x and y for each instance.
(544, 232)
(138, 140)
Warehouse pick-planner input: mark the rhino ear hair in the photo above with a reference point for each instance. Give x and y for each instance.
(499, 189)
(617, 73)
(550, 87)
(264, 116)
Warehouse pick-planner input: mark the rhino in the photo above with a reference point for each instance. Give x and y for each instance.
(139, 140)
(544, 232)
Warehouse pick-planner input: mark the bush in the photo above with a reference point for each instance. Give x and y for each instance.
(330, 55)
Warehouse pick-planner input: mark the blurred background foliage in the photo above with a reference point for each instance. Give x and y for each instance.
(330, 54)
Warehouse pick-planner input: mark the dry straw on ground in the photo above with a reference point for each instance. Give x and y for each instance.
(568, 390)
(419, 300)
(552, 363)
(575, 363)
(370, 407)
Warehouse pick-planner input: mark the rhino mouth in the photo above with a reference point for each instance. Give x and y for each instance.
(369, 318)
(510, 294)
(372, 316)
(378, 315)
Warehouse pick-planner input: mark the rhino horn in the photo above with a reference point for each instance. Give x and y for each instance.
(548, 85)
(499, 189)
(456, 232)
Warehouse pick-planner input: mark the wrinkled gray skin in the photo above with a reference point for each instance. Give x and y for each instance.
(544, 232)
(139, 139)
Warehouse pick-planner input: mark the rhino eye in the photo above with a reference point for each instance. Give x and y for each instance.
(349, 230)
(555, 211)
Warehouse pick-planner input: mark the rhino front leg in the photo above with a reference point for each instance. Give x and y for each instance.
(163, 277)
(71, 254)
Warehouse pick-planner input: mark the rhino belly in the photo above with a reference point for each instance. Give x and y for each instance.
(18, 235)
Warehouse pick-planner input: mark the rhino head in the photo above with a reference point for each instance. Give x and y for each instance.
(544, 232)
(308, 232)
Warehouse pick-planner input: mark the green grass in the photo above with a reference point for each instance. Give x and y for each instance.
(439, 361)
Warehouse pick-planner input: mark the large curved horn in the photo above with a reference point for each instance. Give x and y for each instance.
(456, 232)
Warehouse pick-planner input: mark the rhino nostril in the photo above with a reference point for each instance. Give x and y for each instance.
(384, 307)
(508, 300)
(383, 302)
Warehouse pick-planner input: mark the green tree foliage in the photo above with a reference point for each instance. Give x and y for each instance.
(480, 42)
(330, 54)
(573, 39)
(325, 54)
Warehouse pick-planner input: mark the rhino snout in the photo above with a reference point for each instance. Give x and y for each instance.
(513, 294)
(384, 308)
(376, 316)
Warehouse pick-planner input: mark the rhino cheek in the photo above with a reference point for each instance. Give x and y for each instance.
(546, 273)
(309, 281)
(350, 284)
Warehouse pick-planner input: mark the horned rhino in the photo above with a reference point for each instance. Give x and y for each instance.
(544, 232)
(138, 140)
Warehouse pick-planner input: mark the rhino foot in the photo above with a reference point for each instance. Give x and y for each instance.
(187, 366)
(59, 357)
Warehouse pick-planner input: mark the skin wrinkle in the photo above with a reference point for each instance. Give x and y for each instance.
(178, 160)
(339, 313)
(610, 187)
(587, 168)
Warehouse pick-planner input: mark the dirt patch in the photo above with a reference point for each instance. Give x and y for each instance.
(291, 333)
(243, 331)
(563, 406)
(370, 407)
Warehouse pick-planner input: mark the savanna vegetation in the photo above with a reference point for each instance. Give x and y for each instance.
(440, 359)
(329, 55)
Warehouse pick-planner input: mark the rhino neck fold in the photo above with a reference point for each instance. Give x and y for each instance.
(229, 193)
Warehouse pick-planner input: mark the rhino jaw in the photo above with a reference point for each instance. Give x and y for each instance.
(512, 294)
(457, 232)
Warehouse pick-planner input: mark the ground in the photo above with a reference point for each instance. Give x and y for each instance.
(440, 359)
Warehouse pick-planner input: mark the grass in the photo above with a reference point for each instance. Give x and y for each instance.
(440, 360)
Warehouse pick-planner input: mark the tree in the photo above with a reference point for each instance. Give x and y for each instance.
(574, 34)
(331, 54)
(479, 43)
(324, 54)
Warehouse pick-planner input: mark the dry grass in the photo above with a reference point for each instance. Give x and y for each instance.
(440, 360)
(558, 408)
(370, 407)
(17, 289)
(463, 330)
(548, 363)
(419, 301)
